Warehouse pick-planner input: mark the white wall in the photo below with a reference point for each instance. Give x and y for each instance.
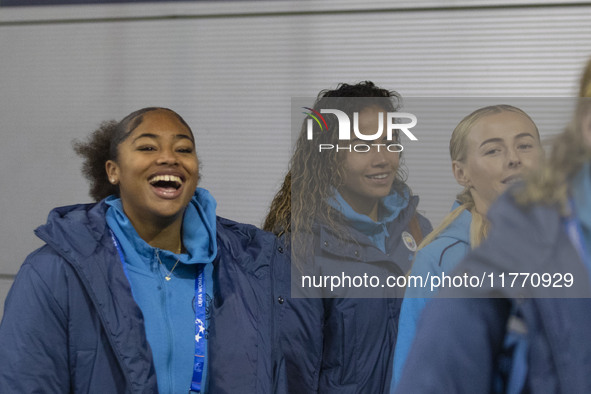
(231, 69)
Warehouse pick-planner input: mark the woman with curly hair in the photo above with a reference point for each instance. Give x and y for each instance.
(541, 232)
(143, 290)
(347, 211)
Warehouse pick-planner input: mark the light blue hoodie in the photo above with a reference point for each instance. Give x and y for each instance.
(443, 254)
(167, 306)
(389, 209)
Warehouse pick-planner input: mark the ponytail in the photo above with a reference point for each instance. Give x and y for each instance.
(478, 227)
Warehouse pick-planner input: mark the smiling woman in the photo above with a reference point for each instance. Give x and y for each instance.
(144, 290)
(346, 211)
(541, 227)
(368, 176)
(500, 144)
(156, 170)
(491, 149)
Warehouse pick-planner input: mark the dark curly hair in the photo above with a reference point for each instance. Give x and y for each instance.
(102, 145)
(312, 178)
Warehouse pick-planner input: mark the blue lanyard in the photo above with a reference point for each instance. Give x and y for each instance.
(575, 233)
(120, 252)
(200, 319)
(200, 345)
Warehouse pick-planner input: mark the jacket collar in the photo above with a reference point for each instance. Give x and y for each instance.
(198, 230)
(340, 244)
(389, 209)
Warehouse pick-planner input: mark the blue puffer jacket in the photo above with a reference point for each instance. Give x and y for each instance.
(71, 325)
(343, 345)
(459, 340)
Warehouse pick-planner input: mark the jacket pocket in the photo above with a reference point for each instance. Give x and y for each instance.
(339, 356)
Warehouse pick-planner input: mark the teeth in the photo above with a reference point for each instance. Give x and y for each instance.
(381, 176)
(512, 180)
(165, 178)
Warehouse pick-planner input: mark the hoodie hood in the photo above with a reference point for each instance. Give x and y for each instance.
(199, 230)
(390, 208)
(74, 229)
(148, 268)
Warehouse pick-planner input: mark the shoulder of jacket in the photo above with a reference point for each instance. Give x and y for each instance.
(78, 227)
(247, 246)
(538, 223)
(46, 261)
(411, 211)
(424, 223)
(47, 272)
(227, 225)
(230, 231)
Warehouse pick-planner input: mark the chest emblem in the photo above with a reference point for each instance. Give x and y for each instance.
(409, 241)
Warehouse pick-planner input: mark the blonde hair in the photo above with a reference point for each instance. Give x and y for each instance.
(550, 184)
(458, 148)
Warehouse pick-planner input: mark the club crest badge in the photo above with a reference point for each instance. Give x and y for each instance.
(409, 241)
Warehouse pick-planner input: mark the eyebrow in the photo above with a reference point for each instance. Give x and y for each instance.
(521, 135)
(488, 141)
(154, 136)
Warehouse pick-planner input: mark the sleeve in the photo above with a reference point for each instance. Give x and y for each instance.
(412, 306)
(300, 325)
(442, 255)
(302, 343)
(33, 337)
(414, 302)
(407, 325)
(457, 343)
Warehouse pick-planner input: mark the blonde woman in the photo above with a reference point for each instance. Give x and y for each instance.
(542, 229)
(490, 150)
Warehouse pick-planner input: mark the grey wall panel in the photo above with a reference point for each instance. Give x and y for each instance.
(217, 8)
(4, 287)
(232, 78)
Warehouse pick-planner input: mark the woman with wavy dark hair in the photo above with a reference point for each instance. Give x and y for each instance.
(346, 211)
(145, 290)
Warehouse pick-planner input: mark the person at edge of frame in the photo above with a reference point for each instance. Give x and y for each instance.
(145, 290)
(541, 236)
